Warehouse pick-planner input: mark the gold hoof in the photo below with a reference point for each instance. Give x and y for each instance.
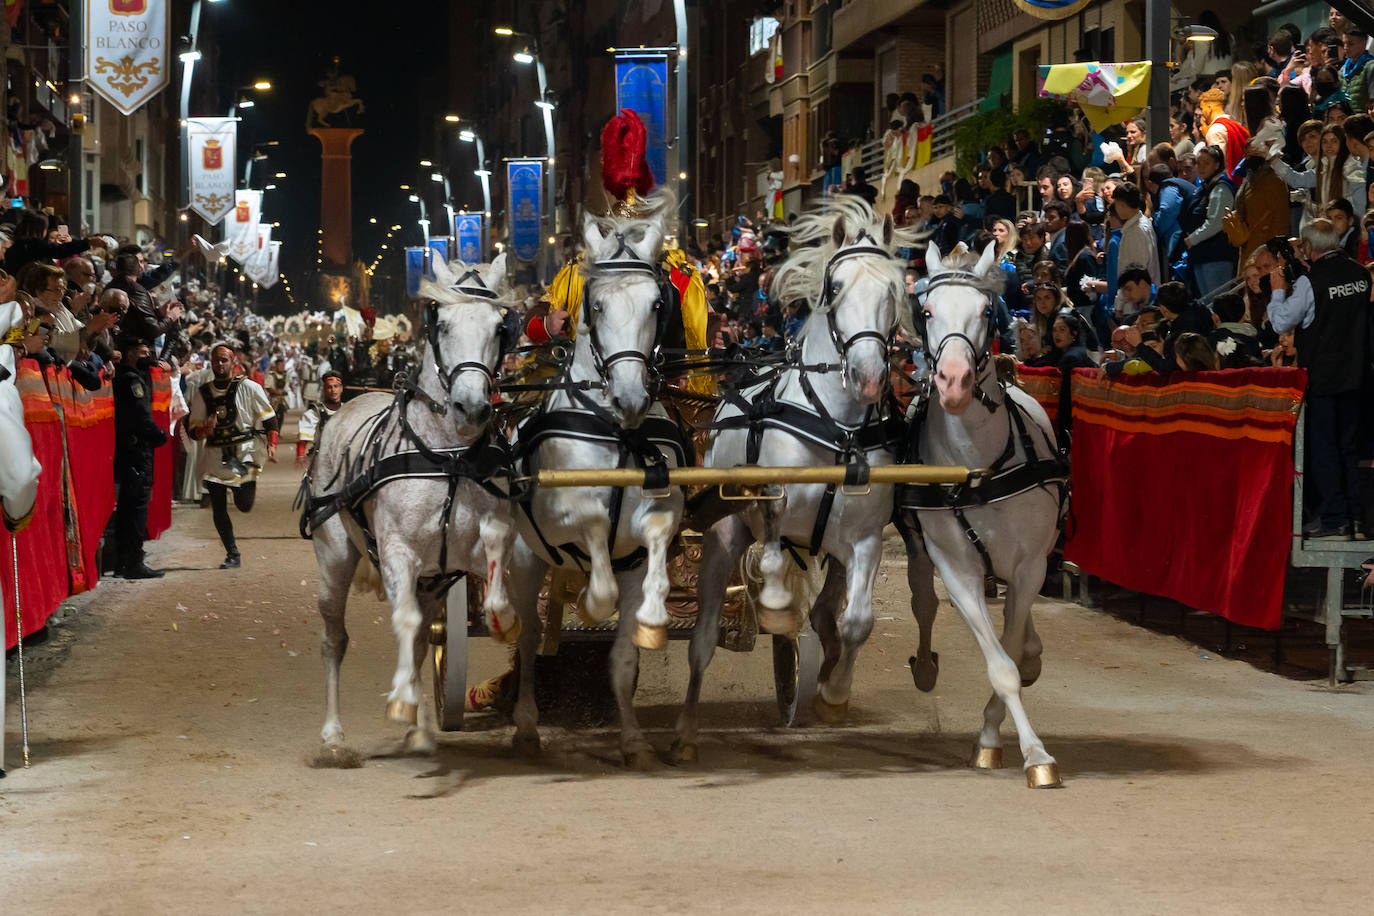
(419, 742)
(1044, 776)
(650, 637)
(505, 637)
(640, 761)
(784, 623)
(987, 758)
(829, 713)
(683, 753)
(400, 711)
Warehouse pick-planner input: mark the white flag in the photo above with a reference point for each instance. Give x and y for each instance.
(241, 225)
(128, 50)
(211, 142)
(255, 268)
(273, 273)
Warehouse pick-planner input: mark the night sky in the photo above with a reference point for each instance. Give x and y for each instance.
(400, 64)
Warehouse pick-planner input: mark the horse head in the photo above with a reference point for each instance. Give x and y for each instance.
(958, 325)
(619, 322)
(467, 336)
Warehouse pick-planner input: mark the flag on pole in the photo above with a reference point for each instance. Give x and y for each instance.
(924, 133)
(241, 225)
(128, 50)
(211, 144)
(255, 268)
(273, 272)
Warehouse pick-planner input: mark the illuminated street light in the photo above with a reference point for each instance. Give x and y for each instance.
(504, 30)
(523, 56)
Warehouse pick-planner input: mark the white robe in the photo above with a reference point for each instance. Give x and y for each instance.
(252, 407)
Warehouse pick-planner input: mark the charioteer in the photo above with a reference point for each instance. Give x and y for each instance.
(313, 420)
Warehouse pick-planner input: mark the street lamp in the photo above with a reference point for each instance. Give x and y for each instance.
(529, 54)
(482, 172)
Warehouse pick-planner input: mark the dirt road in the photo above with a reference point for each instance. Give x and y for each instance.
(172, 721)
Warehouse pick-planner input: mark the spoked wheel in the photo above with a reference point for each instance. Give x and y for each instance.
(449, 634)
(796, 667)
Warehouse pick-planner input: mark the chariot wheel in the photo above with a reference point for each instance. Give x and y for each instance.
(796, 668)
(449, 635)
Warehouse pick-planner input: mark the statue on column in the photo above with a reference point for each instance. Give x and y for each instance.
(338, 98)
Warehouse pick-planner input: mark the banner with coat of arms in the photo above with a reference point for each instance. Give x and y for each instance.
(211, 141)
(241, 225)
(255, 268)
(273, 272)
(128, 50)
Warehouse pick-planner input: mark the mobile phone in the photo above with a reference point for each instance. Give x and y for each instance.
(61, 229)
(16, 203)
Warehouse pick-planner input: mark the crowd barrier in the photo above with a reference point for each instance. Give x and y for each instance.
(73, 439)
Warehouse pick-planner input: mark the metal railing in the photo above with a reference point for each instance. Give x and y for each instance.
(941, 142)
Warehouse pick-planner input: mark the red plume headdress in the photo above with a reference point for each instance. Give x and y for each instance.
(624, 167)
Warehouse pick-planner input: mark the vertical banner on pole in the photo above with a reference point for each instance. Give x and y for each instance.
(416, 268)
(641, 84)
(211, 143)
(255, 268)
(468, 233)
(241, 226)
(273, 272)
(439, 245)
(525, 180)
(128, 50)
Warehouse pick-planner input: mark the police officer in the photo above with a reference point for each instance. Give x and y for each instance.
(137, 436)
(312, 421)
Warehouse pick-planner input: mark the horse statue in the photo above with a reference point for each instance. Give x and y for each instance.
(401, 493)
(602, 413)
(338, 97)
(830, 404)
(1006, 525)
(19, 469)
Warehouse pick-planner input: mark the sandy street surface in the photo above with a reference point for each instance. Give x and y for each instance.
(171, 723)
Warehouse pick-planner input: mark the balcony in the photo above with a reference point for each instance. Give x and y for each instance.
(858, 19)
(941, 142)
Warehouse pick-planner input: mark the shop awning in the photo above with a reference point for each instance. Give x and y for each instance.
(1107, 93)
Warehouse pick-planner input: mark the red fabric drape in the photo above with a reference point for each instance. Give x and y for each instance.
(164, 461)
(1183, 487)
(90, 447)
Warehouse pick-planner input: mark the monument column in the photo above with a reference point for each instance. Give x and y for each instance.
(336, 193)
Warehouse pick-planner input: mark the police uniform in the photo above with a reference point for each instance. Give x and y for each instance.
(137, 437)
(233, 452)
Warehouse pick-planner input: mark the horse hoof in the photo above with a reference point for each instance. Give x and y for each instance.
(527, 746)
(401, 711)
(776, 599)
(1030, 671)
(681, 753)
(926, 672)
(1044, 776)
(781, 622)
(650, 637)
(641, 760)
(986, 758)
(332, 736)
(419, 741)
(505, 637)
(829, 713)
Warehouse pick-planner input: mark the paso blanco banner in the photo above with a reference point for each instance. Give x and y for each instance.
(273, 272)
(255, 268)
(212, 166)
(128, 50)
(241, 225)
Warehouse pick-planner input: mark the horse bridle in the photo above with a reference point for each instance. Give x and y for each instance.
(844, 344)
(619, 263)
(980, 353)
(469, 284)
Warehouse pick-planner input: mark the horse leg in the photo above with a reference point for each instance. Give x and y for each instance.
(601, 595)
(775, 598)
(399, 571)
(723, 545)
(920, 577)
(420, 738)
(338, 559)
(966, 591)
(497, 535)
(825, 615)
(526, 579)
(831, 704)
(652, 617)
(635, 749)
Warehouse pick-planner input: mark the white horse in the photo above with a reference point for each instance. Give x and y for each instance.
(826, 408)
(604, 416)
(976, 422)
(19, 469)
(427, 510)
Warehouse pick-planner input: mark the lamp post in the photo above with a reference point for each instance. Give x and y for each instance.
(528, 54)
(467, 135)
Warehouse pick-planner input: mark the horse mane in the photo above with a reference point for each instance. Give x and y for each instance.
(441, 288)
(648, 217)
(990, 284)
(801, 276)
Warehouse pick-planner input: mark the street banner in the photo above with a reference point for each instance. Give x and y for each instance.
(439, 245)
(241, 225)
(211, 142)
(525, 180)
(1107, 93)
(418, 266)
(255, 268)
(468, 231)
(273, 272)
(128, 50)
(641, 84)
(1052, 9)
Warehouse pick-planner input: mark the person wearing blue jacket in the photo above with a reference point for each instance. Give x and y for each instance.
(1170, 196)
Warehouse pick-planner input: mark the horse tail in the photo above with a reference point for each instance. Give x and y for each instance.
(367, 579)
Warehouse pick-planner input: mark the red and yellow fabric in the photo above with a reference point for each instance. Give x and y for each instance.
(924, 133)
(1182, 486)
(1043, 383)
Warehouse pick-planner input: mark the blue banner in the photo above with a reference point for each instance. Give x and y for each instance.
(439, 244)
(468, 230)
(525, 180)
(416, 266)
(641, 84)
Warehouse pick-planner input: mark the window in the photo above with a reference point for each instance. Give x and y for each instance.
(761, 32)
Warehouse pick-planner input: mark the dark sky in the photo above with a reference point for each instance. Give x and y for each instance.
(397, 53)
